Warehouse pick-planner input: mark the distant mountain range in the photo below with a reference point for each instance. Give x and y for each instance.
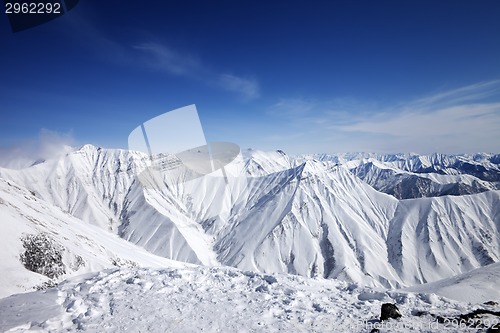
(407, 176)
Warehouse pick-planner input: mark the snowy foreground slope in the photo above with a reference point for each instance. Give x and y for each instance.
(228, 300)
(277, 214)
(84, 248)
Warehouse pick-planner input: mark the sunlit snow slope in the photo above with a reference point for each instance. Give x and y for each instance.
(86, 248)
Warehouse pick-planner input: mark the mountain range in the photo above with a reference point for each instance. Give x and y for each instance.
(389, 221)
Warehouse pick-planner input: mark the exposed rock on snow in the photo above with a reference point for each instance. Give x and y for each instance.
(389, 311)
(42, 255)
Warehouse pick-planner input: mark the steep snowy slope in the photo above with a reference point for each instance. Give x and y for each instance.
(273, 213)
(432, 238)
(477, 286)
(316, 219)
(315, 223)
(82, 247)
(89, 183)
(158, 220)
(306, 219)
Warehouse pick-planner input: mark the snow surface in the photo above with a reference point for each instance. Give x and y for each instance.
(219, 300)
(477, 286)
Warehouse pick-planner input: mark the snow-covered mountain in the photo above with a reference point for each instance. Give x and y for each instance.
(407, 176)
(315, 216)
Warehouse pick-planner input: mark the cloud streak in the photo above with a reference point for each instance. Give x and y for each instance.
(462, 95)
(173, 62)
(170, 61)
(249, 88)
(48, 145)
(461, 120)
(448, 121)
(162, 58)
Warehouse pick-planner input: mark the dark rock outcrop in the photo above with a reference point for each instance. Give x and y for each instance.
(389, 311)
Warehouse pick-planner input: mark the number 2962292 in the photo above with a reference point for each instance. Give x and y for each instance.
(32, 8)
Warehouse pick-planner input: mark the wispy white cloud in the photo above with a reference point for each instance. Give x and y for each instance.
(277, 137)
(311, 112)
(173, 62)
(248, 88)
(170, 61)
(300, 112)
(292, 107)
(48, 145)
(161, 57)
(466, 119)
(448, 121)
(468, 94)
(456, 129)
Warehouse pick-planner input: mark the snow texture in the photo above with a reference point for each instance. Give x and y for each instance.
(222, 300)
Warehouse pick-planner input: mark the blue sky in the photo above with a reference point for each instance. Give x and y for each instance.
(305, 77)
